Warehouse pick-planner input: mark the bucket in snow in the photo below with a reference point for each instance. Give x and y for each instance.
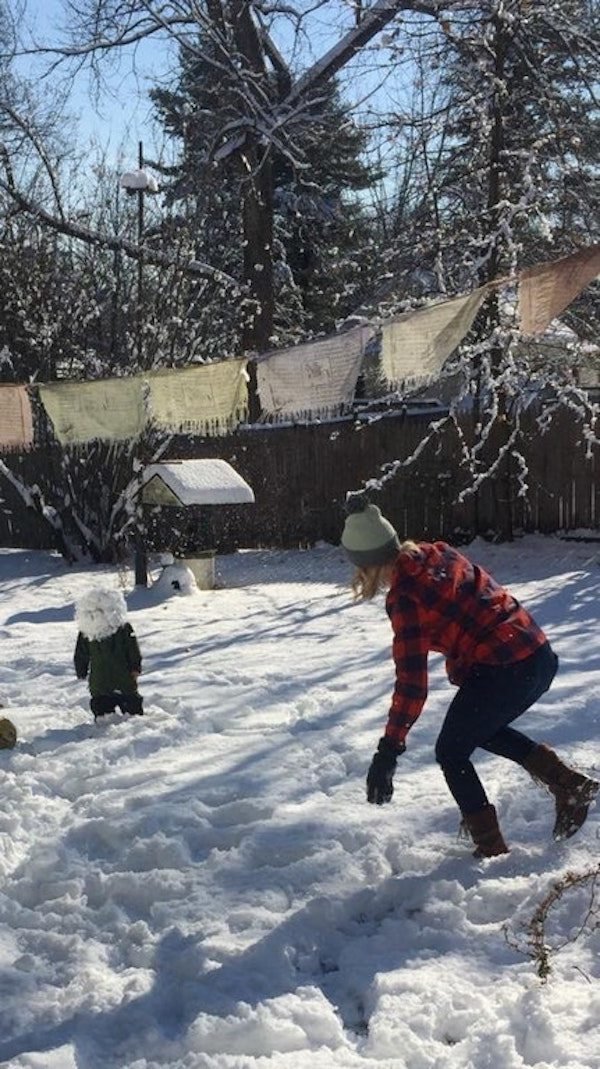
(202, 567)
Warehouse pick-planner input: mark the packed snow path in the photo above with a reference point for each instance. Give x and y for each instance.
(207, 887)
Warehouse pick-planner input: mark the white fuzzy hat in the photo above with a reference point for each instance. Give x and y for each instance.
(100, 612)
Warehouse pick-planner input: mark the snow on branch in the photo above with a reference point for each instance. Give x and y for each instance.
(33, 498)
(393, 467)
(128, 502)
(372, 22)
(194, 268)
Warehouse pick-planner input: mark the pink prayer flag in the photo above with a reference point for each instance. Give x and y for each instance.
(545, 291)
(16, 419)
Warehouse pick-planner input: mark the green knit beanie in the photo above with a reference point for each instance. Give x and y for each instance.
(368, 538)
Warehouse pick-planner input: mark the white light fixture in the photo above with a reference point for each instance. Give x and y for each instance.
(134, 181)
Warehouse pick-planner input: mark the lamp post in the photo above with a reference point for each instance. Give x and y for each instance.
(138, 183)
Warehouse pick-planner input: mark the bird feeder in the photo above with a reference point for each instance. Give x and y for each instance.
(184, 483)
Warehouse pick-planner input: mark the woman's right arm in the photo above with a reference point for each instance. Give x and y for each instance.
(410, 651)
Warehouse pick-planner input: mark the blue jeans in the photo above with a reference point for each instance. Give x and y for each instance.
(490, 698)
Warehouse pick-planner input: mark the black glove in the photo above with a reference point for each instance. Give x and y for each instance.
(380, 787)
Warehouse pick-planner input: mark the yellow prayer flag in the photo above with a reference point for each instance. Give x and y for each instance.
(207, 397)
(108, 409)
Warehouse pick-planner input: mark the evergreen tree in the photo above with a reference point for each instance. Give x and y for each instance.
(512, 141)
(323, 248)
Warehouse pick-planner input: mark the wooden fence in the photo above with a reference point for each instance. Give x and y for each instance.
(300, 476)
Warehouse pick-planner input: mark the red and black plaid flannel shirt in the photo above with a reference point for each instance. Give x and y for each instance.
(442, 602)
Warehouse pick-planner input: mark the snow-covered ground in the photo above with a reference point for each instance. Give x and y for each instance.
(207, 887)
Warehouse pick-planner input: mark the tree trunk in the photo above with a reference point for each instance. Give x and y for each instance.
(256, 156)
(497, 266)
(497, 142)
(258, 252)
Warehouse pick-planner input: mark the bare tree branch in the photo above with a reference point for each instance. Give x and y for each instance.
(27, 128)
(69, 228)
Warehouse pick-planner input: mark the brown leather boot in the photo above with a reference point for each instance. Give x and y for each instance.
(572, 791)
(485, 832)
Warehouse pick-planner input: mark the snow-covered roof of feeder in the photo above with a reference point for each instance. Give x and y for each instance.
(194, 482)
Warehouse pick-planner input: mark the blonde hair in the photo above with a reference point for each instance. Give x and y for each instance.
(373, 578)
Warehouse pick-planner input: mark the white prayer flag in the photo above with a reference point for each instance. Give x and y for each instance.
(417, 344)
(314, 379)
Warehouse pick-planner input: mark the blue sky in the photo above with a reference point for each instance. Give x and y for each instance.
(121, 115)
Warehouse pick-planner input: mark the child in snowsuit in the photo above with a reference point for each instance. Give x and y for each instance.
(107, 648)
(495, 653)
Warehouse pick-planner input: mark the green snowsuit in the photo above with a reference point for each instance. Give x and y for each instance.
(110, 661)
